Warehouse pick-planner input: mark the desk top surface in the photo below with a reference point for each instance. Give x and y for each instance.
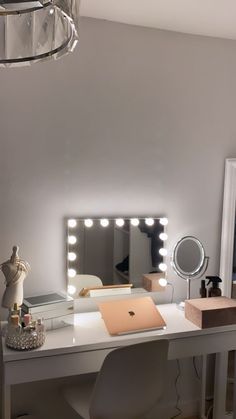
(87, 332)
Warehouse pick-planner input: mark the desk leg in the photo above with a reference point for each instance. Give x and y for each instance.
(234, 399)
(6, 402)
(220, 385)
(203, 387)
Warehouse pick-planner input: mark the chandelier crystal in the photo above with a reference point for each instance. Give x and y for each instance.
(33, 31)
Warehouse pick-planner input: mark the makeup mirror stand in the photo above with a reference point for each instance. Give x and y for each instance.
(180, 262)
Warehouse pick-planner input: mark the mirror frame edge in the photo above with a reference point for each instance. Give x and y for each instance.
(228, 225)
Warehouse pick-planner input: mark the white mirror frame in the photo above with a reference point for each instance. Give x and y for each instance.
(228, 225)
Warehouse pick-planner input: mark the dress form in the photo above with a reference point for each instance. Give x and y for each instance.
(15, 271)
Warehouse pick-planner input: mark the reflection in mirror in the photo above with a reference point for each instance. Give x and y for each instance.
(114, 251)
(189, 260)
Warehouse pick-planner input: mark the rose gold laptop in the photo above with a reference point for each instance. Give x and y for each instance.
(131, 315)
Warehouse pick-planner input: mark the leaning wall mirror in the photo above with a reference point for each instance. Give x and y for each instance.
(189, 260)
(228, 235)
(113, 251)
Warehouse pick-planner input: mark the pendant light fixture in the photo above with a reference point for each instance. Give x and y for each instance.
(33, 31)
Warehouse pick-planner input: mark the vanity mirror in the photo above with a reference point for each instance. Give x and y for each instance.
(114, 251)
(228, 243)
(189, 260)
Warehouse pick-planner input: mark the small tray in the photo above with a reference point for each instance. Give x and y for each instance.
(24, 341)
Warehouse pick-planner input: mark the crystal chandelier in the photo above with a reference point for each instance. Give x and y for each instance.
(33, 31)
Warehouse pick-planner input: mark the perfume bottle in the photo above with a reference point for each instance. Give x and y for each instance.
(40, 326)
(13, 331)
(27, 319)
(14, 310)
(14, 325)
(203, 290)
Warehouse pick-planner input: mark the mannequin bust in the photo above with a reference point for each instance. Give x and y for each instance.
(15, 271)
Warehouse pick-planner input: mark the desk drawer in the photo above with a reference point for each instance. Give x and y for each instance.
(36, 369)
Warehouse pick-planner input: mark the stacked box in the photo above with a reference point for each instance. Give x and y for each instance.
(151, 282)
(52, 308)
(211, 312)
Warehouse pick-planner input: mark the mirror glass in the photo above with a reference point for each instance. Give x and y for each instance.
(234, 264)
(188, 257)
(118, 251)
(228, 236)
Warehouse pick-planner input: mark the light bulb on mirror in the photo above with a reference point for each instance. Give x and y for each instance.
(72, 239)
(88, 223)
(134, 222)
(163, 267)
(164, 221)
(163, 252)
(72, 223)
(162, 282)
(120, 222)
(149, 221)
(163, 236)
(104, 222)
(71, 273)
(71, 256)
(71, 289)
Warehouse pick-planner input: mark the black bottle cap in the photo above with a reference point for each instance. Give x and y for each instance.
(214, 279)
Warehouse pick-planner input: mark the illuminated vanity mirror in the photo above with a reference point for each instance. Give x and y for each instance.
(113, 251)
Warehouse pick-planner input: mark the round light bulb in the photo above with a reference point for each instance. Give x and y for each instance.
(71, 273)
(163, 252)
(134, 222)
(164, 221)
(72, 239)
(149, 221)
(71, 289)
(72, 223)
(88, 222)
(71, 256)
(120, 222)
(104, 222)
(163, 236)
(163, 267)
(162, 282)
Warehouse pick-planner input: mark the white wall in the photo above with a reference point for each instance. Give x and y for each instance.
(137, 121)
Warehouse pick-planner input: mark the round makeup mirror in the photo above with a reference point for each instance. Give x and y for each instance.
(189, 260)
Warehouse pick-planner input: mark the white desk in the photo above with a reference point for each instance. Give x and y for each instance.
(82, 347)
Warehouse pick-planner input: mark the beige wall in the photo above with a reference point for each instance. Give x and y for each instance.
(137, 121)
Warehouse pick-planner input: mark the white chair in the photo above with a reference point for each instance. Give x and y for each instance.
(128, 386)
(85, 281)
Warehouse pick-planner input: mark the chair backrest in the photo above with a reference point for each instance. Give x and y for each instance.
(84, 281)
(130, 381)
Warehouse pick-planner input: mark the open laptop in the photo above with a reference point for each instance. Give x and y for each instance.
(131, 315)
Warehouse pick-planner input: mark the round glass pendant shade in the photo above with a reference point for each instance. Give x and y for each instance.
(32, 31)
